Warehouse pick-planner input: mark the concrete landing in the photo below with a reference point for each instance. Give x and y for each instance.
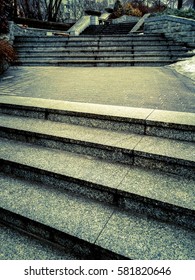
(143, 87)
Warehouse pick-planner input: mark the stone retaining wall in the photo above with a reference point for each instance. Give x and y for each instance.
(176, 28)
(16, 30)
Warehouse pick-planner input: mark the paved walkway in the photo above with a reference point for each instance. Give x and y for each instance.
(145, 87)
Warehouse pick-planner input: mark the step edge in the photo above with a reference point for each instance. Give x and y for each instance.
(126, 201)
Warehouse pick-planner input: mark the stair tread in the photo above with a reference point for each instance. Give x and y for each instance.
(163, 118)
(112, 176)
(97, 223)
(101, 61)
(20, 246)
(89, 109)
(77, 216)
(125, 234)
(95, 49)
(141, 144)
(69, 55)
(71, 131)
(117, 43)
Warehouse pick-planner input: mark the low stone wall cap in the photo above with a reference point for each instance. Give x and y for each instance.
(171, 18)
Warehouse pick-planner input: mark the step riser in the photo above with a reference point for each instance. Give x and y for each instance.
(132, 157)
(70, 145)
(81, 249)
(133, 36)
(97, 42)
(126, 201)
(96, 45)
(129, 58)
(92, 39)
(118, 124)
(167, 165)
(102, 49)
(150, 128)
(102, 53)
(30, 59)
(94, 64)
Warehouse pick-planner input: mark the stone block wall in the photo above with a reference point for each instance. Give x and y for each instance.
(16, 30)
(177, 28)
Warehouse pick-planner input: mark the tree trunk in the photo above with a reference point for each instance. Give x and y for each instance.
(180, 4)
(15, 9)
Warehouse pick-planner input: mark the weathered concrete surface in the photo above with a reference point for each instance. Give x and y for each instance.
(144, 87)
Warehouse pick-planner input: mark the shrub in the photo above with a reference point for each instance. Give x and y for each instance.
(156, 6)
(131, 10)
(7, 55)
(126, 9)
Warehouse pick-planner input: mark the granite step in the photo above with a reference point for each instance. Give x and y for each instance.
(134, 188)
(20, 39)
(58, 58)
(82, 227)
(109, 29)
(54, 217)
(18, 245)
(139, 37)
(58, 184)
(168, 155)
(96, 63)
(65, 59)
(103, 52)
(151, 122)
(99, 44)
(133, 43)
(103, 48)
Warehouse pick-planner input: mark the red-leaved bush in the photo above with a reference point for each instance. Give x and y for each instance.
(7, 55)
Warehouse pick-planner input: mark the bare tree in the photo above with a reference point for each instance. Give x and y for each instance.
(6, 11)
(53, 7)
(77, 8)
(180, 4)
(39, 9)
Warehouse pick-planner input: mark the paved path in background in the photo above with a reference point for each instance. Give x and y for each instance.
(145, 87)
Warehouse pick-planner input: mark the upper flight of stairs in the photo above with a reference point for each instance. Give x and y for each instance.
(111, 29)
(98, 50)
(95, 181)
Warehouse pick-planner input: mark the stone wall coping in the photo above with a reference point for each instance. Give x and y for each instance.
(80, 25)
(171, 18)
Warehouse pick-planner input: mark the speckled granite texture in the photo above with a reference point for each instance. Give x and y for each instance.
(87, 175)
(153, 152)
(133, 236)
(137, 120)
(19, 246)
(91, 185)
